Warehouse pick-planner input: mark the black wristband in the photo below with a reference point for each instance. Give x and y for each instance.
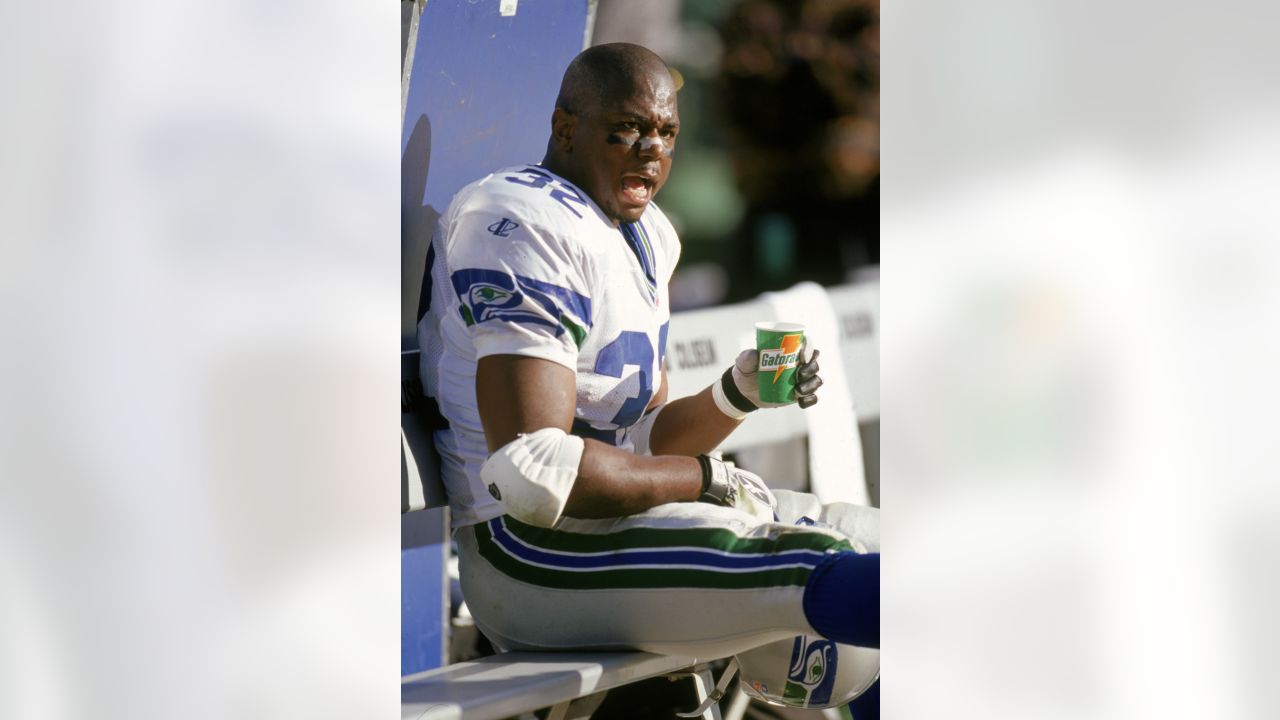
(733, 394)
(705, 463)
(717, 491)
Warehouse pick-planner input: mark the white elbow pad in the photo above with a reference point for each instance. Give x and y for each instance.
(532, 475)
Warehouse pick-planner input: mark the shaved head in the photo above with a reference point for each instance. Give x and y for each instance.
(614, 127)
(604, 73)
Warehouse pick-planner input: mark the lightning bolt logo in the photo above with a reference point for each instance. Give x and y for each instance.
(790, 344)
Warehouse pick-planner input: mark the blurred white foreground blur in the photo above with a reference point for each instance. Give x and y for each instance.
(199, 263)
(1080, 286)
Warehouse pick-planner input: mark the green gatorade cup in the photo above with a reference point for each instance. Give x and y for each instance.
(779, 345)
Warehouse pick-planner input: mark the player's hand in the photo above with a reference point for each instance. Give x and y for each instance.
(731, 486)
(742, 378)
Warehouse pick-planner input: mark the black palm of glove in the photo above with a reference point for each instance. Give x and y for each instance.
(740, 388)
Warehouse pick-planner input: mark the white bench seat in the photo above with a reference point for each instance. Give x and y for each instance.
(508, 684)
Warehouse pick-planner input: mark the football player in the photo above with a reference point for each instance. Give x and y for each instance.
(586, 510)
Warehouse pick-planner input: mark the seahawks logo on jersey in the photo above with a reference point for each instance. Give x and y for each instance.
(487, 295)
(485, 301)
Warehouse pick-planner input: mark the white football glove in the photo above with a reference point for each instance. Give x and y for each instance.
(725, 484)
(737, 392)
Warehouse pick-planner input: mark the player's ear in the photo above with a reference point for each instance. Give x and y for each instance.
(563, 124)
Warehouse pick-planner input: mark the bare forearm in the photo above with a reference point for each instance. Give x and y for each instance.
(613, 482)
(690, 426)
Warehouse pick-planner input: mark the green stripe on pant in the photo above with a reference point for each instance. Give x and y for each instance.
(782, 538)
(652, 577)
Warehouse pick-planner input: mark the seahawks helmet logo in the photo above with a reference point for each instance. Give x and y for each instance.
(812, 675)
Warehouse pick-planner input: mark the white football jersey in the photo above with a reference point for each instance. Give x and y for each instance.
(524, 263)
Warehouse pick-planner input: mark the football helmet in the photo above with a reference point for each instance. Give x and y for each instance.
(808, 671)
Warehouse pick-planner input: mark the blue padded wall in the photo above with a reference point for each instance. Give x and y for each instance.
(481, 91)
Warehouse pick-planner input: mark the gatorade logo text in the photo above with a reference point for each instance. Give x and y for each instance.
(783, 358)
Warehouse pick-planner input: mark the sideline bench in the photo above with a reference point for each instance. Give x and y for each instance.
(508, 684)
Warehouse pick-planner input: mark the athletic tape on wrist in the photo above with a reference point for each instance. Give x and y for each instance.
(729, 399)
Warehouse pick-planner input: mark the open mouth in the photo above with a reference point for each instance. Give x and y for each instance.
(637, 190)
